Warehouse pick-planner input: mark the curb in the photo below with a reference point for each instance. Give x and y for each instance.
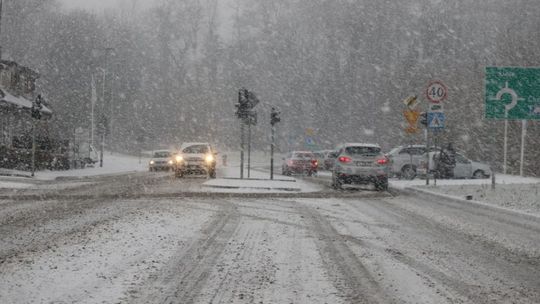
(254, 188)
(83, 177)
(454, 199)
(210, 195)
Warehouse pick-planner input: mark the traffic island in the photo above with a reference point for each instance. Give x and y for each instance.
(254, 185)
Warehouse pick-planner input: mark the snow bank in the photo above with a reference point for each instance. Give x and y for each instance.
(112, 164)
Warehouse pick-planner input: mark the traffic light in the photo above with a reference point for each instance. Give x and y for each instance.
(423, 118)
(274, 117)
(37, 105)
(244, 108)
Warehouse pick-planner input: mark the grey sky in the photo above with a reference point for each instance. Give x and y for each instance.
(103, 4)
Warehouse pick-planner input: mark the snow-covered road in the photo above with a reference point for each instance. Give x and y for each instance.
(362, 248)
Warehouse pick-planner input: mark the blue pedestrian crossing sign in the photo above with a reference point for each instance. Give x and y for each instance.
(435, 120)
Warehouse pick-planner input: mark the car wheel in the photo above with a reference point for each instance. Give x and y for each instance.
(212, 173)
(478, 174)
(178, 174)
(337, 184)
(408, 172)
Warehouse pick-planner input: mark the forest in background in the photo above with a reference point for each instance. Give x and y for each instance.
(339, 68)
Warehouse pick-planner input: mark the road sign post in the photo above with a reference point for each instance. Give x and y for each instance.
(512, 93)
(436, 93)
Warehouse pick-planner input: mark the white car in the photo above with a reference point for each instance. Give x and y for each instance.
(465, 168)
(161, 160)
(195, 158)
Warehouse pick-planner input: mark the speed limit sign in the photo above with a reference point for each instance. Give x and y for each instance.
(436, 91)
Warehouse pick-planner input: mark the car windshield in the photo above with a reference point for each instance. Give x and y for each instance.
(360, 150)
(196, 149)
(234, 151)
(162, 154)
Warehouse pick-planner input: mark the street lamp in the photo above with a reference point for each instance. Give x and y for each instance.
(104, 69)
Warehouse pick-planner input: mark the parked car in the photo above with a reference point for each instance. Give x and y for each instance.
(320, 156)
(195, 158)
(465, 168)
(360, 163)
(330, 160)
(404, 160)
(299, 162)
(161, 160)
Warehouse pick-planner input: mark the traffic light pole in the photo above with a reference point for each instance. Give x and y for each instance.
(33, 146)
(249, 150)
(272, 153)
(241, 149)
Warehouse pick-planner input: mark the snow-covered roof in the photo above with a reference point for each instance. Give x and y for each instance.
(189, 144)
(359, 145)
(20, 101)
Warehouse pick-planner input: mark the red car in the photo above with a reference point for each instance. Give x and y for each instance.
(299, 162)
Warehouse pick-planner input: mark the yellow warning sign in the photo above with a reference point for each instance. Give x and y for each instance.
(412, 118)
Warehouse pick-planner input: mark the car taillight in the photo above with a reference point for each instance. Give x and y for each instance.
(344, 159)
(314, 163)
(382, 161)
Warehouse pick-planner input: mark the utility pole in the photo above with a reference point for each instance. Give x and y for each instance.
(1, 4)
(104, 106)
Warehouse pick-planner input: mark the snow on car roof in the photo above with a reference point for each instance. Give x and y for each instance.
(359, 144)
(189, 144)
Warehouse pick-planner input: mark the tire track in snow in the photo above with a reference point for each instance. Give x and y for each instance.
(182, 278)
(345, 269)
(475, 258)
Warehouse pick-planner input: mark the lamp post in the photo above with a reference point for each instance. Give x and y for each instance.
(104, 106)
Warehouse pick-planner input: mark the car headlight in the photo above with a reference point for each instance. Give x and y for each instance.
(152, 162)
(179, 158)
(209, 158)
(170, 162)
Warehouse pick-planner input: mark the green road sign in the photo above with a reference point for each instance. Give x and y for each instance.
(512, 93)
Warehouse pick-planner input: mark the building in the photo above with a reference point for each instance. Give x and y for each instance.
(17, 91)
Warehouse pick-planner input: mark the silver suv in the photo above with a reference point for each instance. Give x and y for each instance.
(358, 163)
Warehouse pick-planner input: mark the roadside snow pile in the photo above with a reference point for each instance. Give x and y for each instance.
(14, 185)
(112, 164)
(524, 197)
(502, 179)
